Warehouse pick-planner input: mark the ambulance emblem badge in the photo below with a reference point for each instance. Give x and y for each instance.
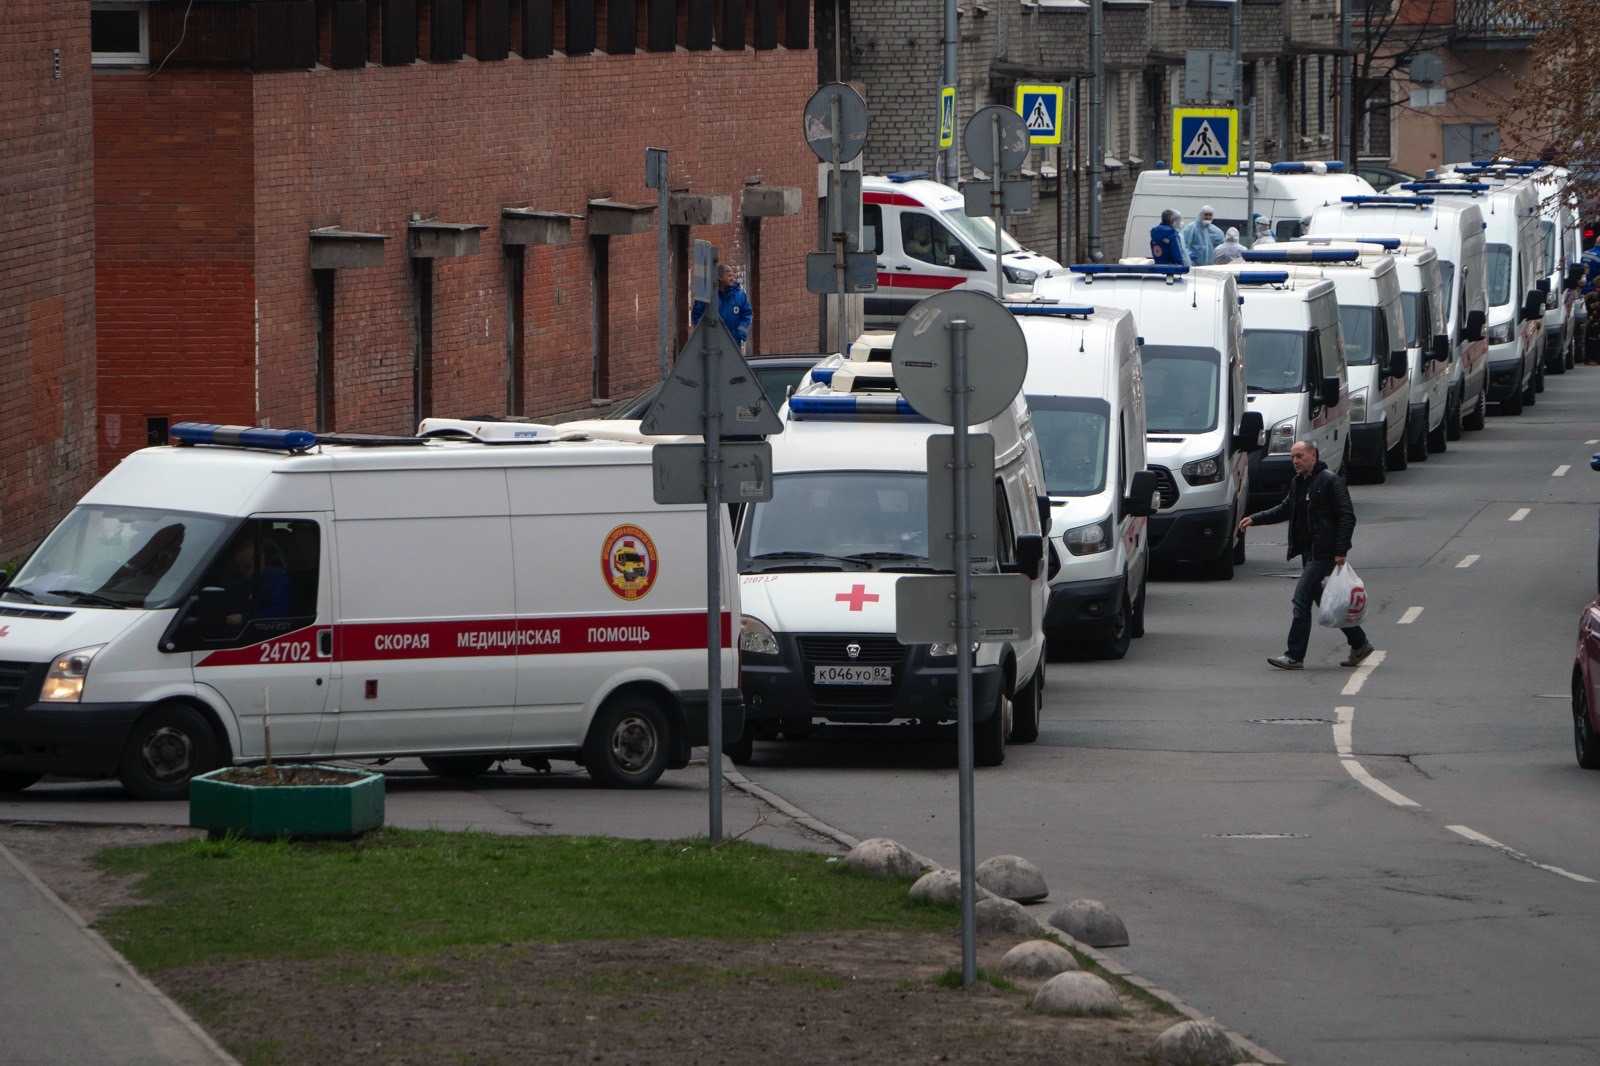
(629, 562)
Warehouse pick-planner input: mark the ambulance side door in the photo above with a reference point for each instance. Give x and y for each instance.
(264, 646)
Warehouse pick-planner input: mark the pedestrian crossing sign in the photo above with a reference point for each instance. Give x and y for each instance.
(1040, 108)
(947, 116)
(1205, 140)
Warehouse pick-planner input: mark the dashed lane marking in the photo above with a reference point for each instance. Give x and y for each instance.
(1561, 471)
(1518, 515)
(1363, 672)
(1467, 561)
(1410, 616)
(1478, 838)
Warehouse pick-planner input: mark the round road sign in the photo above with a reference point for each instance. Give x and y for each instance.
(924, 356)
(818, 122)
(977, 137)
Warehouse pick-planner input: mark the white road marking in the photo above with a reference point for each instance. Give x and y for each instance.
(1344, 720)
(1592, 442)
(1561, 471)
(1479, 838)
(1468, 561)
(1410, 616)
(1359, 772)
(1518, 515)
(1363, 672)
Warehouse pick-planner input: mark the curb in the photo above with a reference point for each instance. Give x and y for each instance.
(1260, 1054)
(179, 1015)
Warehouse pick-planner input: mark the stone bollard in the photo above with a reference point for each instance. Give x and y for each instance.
(1196, 1044)
(1077, 993)
(1012, 877)
(1089, 921)
(1035, 959)
(883, 857)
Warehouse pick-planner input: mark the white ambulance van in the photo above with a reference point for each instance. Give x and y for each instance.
(1085, 387)
(1372, 326)
(847, 519)
(926, 244)
(1199, 430)
(1513, 258)
(1285, 194)
(1293, 368)
(1453, 227)
(459, 601)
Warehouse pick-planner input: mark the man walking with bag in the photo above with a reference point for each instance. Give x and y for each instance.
(1321, 523)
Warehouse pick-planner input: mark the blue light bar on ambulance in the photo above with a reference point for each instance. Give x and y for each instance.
(1301, 254)
(1262, 277)
(1332, 166)
(900, 177)
(1437, 187)
(1050, 310)
(1388, 201)
(1128, 268)
(823, 374)
(1389, 243)
(281, 440)
(838, 407)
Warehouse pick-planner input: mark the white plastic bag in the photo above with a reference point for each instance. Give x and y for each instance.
(1344, 599)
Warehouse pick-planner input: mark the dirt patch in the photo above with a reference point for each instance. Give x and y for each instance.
(855, 997)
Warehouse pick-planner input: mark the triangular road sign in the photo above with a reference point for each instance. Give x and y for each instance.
(1039, 119)
(680, 406)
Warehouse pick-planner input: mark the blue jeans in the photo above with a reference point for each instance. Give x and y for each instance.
(1307, 591)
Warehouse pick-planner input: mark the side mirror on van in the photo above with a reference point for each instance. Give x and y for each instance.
(1030, 554)
(1475, 324)
(1575, 274)
(1543, 285)
(1252, 427)
(1399, 365)
(1331, 388)
(1441, 348)
(1533, 306)
(1045, 521)
(1142, 499)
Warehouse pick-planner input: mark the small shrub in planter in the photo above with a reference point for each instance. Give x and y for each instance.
(265, 802)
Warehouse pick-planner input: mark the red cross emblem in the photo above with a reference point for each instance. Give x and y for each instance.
(4, 630)
(857, 596)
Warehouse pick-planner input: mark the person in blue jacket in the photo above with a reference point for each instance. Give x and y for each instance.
(1165, 244)
(732, 304)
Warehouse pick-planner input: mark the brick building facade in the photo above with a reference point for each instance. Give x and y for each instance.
(47, 303)
(302, 205)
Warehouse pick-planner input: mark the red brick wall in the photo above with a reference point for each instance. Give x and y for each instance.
(367, 149)
(47, 271)
(175, 246)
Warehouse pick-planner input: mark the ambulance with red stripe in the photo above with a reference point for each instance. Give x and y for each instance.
(500, 596)
(848, 519)
(926, 244)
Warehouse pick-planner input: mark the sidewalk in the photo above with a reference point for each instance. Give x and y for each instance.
(67, 997)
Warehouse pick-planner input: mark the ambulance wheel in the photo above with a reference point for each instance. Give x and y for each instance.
(1400, 455)
(1115, 646)
(1583, 734)
(170, 744)
(989, 736)
(1538, 377)
(1479, 409)
(741, 751)
(1512, 405)
(1417, 446)
(1221, 568)
(1452, 417)
(1238, 548)
(1378, 472)
(1438, 438)
(1136, 620)
(460, 767)
(627, 743)
(1027, 708)
(15, 781)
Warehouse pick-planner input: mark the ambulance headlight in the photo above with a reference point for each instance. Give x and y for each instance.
(1500, 332)
(1358, 405)
(1207, 471)
(63, 682)
(946, 649)
(1281, 439)
(755, 638)
(1019, 276)
(1090, 539)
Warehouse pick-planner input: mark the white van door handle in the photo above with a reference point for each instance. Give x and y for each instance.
(325, 643)
(905, 268)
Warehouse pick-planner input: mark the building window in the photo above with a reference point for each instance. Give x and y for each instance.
(1468, 141)
(119, 33)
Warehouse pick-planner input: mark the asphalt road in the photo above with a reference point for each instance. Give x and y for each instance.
(1396, 864)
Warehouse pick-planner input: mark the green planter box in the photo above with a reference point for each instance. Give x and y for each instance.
(270, 811)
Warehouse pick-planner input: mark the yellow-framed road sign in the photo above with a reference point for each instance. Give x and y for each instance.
(1205, 140)
(1040, 108)
(947, 116)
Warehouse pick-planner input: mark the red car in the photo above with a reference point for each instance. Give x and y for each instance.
(1585, 694)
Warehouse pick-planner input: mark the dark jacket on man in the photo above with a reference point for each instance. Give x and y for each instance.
(1321, 518)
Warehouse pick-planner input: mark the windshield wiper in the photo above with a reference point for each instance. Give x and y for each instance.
(805, 557)
(888, 555)
(89, 597)
(20, 591)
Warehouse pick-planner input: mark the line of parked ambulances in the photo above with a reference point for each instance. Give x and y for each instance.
(497, 590)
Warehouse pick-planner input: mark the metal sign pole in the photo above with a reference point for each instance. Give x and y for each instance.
(959, 328)
(713, 442)
(997, 204)
(662, 270)
(836, 221)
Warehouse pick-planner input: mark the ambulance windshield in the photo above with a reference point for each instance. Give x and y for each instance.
(106, 556)
(1180, 388)
(980, 231)
(838, 520)
(1072, 433)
